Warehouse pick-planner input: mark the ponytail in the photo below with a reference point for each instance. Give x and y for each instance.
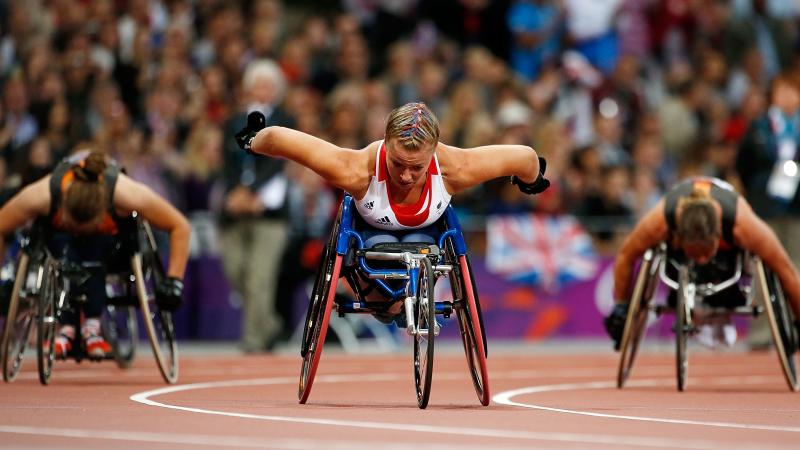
(85, 198)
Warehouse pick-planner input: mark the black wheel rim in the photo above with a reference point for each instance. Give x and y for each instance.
(19, 320)
(425, 321)
(463, 314)
(681, 334)
(162, 333)
(636, 322)
(47, 320)
(786, 331)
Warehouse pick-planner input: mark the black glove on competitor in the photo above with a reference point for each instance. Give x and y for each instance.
(615, 323)
(255, 123)
(169, 294)
(539, 185)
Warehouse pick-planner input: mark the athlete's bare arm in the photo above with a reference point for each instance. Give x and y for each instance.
(463, 168)
(130, 195)
(31, 202)
(651, 230)
(341, 167)
(753, 234)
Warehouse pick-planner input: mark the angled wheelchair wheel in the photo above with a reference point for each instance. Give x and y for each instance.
(318, 317)
(121, 331)
(682, 328)
(22, 310)
(638, 311)
(781, 323)
(470, 324)
(47, 320)
(425, 322)
(148, 271)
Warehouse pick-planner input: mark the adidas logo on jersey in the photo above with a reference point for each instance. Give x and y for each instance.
(439, 206)
(369, 205)
(384, 221)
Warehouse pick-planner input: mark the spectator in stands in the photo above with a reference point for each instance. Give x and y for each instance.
(254, 228)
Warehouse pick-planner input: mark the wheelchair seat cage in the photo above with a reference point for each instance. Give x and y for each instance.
(409, 281)
(762, 294)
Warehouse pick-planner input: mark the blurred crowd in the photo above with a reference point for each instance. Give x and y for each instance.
(623, 97)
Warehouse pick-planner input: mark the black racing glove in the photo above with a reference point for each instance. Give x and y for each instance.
(169, 294)
(539, 185)
(255, 123)
(615, 323)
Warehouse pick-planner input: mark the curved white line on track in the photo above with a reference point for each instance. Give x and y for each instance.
(580, 438)
(504, 398)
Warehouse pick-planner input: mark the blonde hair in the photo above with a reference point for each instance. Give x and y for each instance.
(698, 222)
(413, 125)
(196, 161)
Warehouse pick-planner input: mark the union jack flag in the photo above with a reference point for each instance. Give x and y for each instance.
(544, 250)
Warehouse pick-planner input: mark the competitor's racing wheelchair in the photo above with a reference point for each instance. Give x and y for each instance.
(46, 285)
(411, 282)
(756, 290)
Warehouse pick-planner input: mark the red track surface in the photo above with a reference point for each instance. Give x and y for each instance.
(733, 400)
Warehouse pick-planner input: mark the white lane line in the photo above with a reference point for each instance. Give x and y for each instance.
(504, 398)
(218, 441)
(580, 438)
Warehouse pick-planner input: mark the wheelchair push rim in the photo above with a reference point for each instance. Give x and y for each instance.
(425, 332)
(316, 326)
(147, 271)
(781, 323)
(19, 320)
(47, 320)
(471, 330)
(636, 321)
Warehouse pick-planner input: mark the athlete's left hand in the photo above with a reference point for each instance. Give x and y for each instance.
(255, 123)
(169, 294)
(539, 185)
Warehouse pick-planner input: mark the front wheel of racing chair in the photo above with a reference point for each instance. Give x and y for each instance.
(781, 322)
(318, 315)
(121, 332)
(638, 312)
(470, 320)
(148, 271)
(425, 319)
(47, 320)
(683, 324)
(22, 310)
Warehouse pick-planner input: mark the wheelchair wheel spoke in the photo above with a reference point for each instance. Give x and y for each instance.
(425, 327)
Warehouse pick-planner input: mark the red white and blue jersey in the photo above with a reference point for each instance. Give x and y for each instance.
(377, 209)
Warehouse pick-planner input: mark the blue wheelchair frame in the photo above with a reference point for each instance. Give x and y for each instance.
(348, 233)
(346, 256)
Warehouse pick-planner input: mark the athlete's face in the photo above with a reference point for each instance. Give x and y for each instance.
(407, 168)
(700, 252)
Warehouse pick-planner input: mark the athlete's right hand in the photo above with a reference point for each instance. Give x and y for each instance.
(255, 123)
(539, 185)
(615, 323)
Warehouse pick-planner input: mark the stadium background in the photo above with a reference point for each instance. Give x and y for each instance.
(622, 97)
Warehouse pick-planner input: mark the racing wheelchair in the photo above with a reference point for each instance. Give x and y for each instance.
(758, 288)
(412, 271)
(46, 285)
